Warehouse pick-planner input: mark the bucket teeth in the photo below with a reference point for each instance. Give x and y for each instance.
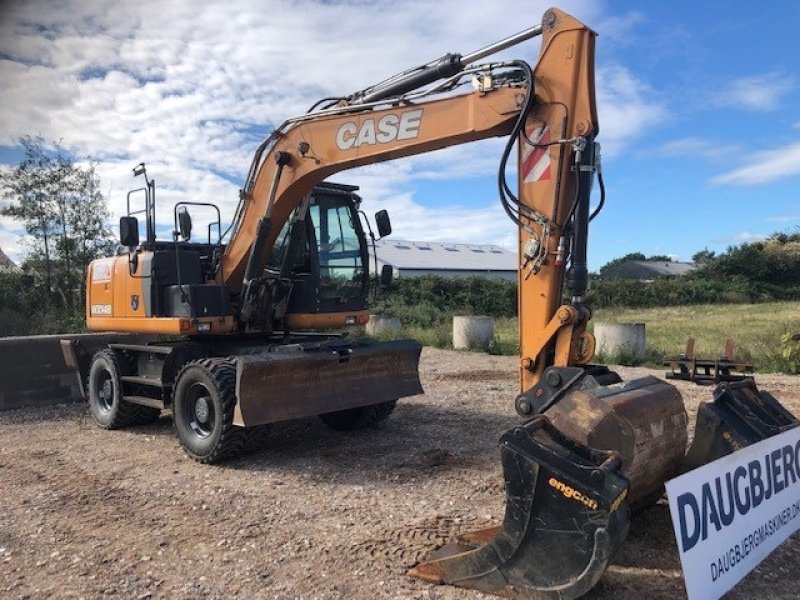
(566, 515)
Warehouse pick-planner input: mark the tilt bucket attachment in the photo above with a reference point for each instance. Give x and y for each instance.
(642, 420)
(740, 415)
(566, 515)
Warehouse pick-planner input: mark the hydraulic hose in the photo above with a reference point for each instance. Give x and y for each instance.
(602, 185)
(508, 200)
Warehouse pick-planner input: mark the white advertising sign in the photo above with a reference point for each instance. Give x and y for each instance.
(730, 514)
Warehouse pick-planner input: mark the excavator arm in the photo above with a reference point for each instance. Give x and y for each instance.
(553, 102)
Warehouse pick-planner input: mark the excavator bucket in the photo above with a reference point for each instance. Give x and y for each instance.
(740, 415)
(313, 378)
(566, 515)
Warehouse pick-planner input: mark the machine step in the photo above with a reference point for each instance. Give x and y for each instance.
(144, 401)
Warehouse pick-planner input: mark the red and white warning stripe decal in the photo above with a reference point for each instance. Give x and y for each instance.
(535, 163)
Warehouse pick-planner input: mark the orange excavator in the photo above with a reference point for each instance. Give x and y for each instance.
(253, 321)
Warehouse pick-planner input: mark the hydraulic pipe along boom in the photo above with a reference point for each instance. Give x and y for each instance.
(512, 40)
(446, 66)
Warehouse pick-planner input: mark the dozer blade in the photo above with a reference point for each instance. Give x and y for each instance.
(301, 380)
(740, 415)
(566, 515)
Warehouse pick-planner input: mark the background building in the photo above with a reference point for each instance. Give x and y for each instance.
(647, 270)
(415, 259)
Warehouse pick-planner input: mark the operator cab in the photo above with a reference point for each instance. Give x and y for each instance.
(329, 262)
(319, 264)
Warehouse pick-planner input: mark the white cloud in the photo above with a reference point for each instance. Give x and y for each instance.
(620, 29)
(691, 147)
(12, 239)
(193, 89)
(783, 218)
(625, 108)
(758, 92)
(764, 167)
(744, 236)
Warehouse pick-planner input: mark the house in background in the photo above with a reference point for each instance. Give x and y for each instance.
(415, 259)
(648, 270)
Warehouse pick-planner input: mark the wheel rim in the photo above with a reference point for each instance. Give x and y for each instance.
(198, 408)
(105, 391)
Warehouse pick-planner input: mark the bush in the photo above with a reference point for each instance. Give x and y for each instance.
(626, 358)
(27, 308)
(432, 301)
(679, 291)
(787, 357)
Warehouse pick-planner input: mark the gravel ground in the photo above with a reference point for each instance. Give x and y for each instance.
(318, 514)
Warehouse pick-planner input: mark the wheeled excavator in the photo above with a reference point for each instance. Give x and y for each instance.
(253, 324)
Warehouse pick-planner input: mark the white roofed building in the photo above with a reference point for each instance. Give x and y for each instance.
(416, 259)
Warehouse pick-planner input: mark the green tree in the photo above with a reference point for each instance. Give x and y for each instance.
(703, 257)
(772, 264)
(32, 187)
(64, 212)
(86, 232)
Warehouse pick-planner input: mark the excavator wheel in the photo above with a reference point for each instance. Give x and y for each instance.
(203, 404)
(108, 408)
(360, 417)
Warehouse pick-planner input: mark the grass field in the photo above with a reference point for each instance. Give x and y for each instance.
(756, 330)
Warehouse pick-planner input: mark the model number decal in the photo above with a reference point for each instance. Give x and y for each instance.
(388, 128)
(98, 310)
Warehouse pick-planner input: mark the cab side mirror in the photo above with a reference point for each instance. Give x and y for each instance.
(387, 274)
(185, 224)
(383, 223)
(129, 231)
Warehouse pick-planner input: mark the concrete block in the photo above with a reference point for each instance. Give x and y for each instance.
(472, 333)
(33, 372)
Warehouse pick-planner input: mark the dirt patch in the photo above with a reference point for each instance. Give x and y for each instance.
(319, 514)
(477, 375)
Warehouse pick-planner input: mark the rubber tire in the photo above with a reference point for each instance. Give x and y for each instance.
(257, 438)
(360, 417)
(225, 439)
(107, 363)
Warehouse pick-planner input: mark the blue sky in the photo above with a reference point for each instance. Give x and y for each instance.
(699, 106)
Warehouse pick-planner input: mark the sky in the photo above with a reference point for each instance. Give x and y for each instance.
(698, 102)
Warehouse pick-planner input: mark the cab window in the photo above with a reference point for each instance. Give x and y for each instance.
(340, 262)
